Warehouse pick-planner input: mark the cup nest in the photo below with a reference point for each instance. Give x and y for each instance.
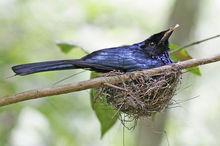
(142, 96)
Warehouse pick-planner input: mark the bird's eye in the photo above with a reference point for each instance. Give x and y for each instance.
(152, 44)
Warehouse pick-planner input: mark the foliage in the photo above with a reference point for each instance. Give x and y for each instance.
(182, 56)
(67, 47)
(106, 115)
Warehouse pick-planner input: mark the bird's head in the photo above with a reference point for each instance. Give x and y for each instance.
(158, 43)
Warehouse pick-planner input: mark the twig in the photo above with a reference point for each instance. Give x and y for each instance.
(57, 82)
(194, 43)
(113, 86)
(98, 82)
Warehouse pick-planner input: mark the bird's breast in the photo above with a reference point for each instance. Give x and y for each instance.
(137, 60)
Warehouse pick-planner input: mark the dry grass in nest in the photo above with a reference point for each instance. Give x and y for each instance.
(141, 97)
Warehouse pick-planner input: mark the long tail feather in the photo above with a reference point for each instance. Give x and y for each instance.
(26, 69)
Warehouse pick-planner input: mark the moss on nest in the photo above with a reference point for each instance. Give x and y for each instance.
(141, 97)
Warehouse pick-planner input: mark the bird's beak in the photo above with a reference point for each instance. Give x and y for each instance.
(168, 33)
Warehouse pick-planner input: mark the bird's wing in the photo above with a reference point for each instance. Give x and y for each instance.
(106, 59)
(123, 58)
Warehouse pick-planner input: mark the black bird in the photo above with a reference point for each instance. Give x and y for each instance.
(150, 53)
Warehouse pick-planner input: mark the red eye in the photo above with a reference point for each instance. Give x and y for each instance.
(152, 44)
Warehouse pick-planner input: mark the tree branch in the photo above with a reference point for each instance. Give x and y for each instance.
(98, 82)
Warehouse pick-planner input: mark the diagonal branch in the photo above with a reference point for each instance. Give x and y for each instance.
(98, 82)
(194, 43)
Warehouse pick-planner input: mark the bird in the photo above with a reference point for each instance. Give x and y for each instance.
(147, 54)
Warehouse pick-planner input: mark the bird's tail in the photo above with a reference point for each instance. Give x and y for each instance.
(26, 69)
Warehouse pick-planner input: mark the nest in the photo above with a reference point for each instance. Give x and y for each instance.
(143, 96)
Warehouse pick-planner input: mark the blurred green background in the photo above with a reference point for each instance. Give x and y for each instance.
(29, 32)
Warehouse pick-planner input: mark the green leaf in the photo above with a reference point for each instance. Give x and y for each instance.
(183, 55)
(195, 71)
(67, 47)
(173, 47)
(105, 113)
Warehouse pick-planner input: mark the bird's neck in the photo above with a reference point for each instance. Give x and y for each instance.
(164, 57)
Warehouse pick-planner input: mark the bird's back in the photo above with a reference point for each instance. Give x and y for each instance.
(127, 58)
